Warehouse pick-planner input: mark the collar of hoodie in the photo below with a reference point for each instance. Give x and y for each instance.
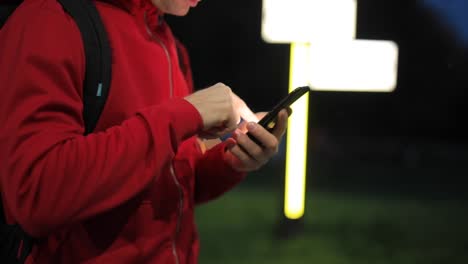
(143, 10)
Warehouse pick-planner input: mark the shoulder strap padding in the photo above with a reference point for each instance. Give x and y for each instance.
(98, 58)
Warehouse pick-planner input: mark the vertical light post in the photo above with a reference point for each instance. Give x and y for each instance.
(296, 138)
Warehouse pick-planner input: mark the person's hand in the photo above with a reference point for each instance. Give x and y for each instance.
(220, 110)
(245, 155)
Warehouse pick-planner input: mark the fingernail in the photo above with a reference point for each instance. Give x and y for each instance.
(251, 126)
(236, 133)
(230, 143)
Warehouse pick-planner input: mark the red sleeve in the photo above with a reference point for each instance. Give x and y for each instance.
(214, 176)
(51, 175)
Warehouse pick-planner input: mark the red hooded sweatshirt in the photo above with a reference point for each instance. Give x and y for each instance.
(125, 193)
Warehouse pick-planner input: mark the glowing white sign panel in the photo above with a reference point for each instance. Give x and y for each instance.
(286, 21)
(359, 65)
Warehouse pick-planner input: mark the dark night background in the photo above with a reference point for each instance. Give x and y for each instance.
(393, 149)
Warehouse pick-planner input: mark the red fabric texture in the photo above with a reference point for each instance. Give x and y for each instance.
(127, 192)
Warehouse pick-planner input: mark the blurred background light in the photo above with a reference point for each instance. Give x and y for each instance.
(454, 15)
(308, 20)
(326, 56)
(357, 66)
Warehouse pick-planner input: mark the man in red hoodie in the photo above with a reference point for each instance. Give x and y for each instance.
(125, 193)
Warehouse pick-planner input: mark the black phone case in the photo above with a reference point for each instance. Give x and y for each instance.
(285, 103)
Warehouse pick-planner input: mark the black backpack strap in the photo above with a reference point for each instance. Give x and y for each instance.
(98, 58)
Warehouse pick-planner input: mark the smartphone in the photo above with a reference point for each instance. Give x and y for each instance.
(268, 121)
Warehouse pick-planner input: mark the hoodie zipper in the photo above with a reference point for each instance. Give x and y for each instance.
(179, 214)
(171, 167)
(166, 52)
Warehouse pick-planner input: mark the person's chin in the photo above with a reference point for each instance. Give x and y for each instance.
(181, 12)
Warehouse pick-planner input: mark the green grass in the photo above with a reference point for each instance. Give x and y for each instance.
(338, 228)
